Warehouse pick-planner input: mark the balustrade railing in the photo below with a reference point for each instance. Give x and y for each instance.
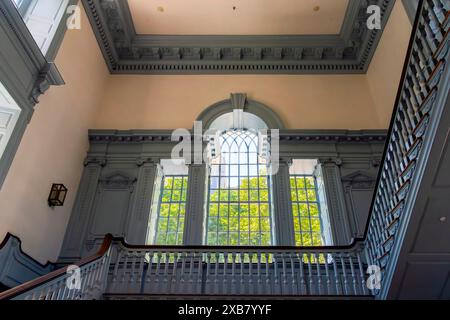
(255, 271)
(415, 110)
(85, 281)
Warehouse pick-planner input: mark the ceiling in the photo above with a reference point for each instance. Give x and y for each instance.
(256, 37)
(238, 17)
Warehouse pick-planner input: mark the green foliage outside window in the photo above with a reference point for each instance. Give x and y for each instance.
(306, 211)
(240, 216)
(239, 206)
(171, 211)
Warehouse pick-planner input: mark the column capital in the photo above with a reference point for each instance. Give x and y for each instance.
(286, 161)
(100, 161)
(332, 160)
(197, 165)
(147, 160)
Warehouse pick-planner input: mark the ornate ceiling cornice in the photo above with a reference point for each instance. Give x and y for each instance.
(126, 52)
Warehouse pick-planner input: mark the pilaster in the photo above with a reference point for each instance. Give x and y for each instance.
(140, 214)
(78, 224)
(336, 200)
(282, 206)
(195, 205)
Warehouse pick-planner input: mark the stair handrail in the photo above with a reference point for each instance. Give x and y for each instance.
(354, 244)
(27, 286)
(420, 84)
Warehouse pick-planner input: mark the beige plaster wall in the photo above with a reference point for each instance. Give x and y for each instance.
(308, 102)
(53, 148)
(385, 70)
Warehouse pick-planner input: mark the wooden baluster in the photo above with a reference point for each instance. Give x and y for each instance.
(148, 276)
(166, 271)
(303, 288)
(89, 290)
(61, 284)
(336, 276)
(158, 281)
(97, 280)
(293, 277)
(46, 292)
(115, 277)
(216, 272)
(250, 272)
(64, 289)
(258, 271)
(435, 25)
(208, 267)
(233, 273)
(430, 35)
(55, 288)
(140, 275)
(124, 272)
(86, 290)
(284, 271)
(33, 295)
(181, 285)
(225, 273)
(275, 270)
(267, 287)
(174, 281)
(312, 291)
(352, 270)
(319, 276)
(200, 272)
(132, 274)
(327, 273)
(438, 10)
(188, 287)
(344, 275)
(426, 58)
(418, 71)
(241, 261)
(425, 43)
(361, 274)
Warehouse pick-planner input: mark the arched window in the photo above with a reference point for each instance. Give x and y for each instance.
(239, 197)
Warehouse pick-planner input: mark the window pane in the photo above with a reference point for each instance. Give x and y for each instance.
(171, 211)
(306, 211)
(243, 205)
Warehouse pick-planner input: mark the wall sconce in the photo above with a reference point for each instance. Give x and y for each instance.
(57, 195)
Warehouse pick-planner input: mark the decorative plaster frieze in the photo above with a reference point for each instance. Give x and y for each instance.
(286, 136)
(131, 53)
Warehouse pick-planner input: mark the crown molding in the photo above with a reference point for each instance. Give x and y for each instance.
(286, 136)
(126, 52)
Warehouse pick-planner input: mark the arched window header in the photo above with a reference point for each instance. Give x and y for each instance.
(226, 112)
